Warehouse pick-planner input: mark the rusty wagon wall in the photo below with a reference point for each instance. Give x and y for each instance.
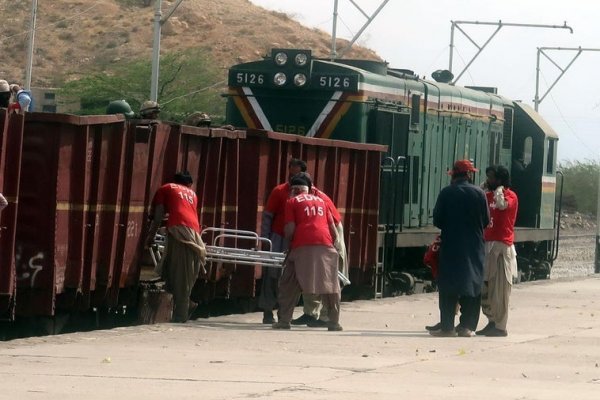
(86, 184)
(11, 134)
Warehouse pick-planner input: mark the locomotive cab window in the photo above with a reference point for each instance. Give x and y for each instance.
(551, 149)
(415, 104)
(527, 149)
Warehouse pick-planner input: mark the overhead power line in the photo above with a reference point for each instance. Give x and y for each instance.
(40, 28)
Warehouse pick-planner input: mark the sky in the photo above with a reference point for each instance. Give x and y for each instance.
(415, 34)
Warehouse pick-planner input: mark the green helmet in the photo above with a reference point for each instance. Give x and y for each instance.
(120, 107)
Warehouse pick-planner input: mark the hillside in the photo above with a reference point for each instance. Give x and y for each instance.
(76, 37)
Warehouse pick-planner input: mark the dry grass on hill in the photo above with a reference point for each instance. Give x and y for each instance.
(75, 37)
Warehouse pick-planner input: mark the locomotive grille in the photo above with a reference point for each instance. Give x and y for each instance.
(508, 127)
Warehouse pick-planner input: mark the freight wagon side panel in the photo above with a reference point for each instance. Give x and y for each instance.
(36, 220)
(150, 160)
(11, 136)
(61, 233)
(107, 207)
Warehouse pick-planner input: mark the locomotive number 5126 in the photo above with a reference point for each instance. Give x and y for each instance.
(249, 78)
(336, 82)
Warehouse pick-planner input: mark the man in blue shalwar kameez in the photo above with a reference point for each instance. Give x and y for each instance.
(461, 212)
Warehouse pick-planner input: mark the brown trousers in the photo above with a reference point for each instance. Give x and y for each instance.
(181, 266)
(289, 294)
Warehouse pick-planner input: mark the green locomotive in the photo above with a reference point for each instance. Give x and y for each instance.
(427, 126)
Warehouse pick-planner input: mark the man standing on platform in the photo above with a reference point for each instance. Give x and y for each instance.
(272, 228)
(461, 212)
(314, 311)
(185, 253)
(500, 254)
(312, 263)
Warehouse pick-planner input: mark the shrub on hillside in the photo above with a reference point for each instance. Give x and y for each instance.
(580, 190)
(188, 83)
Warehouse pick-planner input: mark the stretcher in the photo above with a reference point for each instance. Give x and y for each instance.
(218, 252)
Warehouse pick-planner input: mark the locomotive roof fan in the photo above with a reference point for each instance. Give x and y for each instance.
(442, 76)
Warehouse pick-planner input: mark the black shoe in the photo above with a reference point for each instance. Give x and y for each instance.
(268, 317)
(281, 325)
(435, 327)
(191, 308)
(316, 323)
(495, 332)
(488, 327)
(303, 320)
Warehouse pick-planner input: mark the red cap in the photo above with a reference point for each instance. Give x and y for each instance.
(462, 166)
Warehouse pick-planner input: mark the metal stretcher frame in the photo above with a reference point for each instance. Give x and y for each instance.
(215, 253)
(234, 255)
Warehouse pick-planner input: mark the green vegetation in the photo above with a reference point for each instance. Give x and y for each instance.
(187, 83)
(137, 3)
(580, 191)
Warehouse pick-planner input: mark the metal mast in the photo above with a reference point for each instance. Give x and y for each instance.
(537, 100)
(158, 23)
(370, 18)
(30, 48)
(499, 25)
(542, 50)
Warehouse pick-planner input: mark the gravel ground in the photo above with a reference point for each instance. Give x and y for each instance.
(575, 255)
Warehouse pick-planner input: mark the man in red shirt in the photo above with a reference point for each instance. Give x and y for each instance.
(272, 228)
(500, 254)
(312, 263)
(315, 312)
(185, 253)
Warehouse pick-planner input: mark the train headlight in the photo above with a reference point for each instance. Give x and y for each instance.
(299, 79)
(301, 59)
(279, 79)
(281, 58)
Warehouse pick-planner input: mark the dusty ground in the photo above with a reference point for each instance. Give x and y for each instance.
(552, 353)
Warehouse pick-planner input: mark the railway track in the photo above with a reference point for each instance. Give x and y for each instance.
(575, 256)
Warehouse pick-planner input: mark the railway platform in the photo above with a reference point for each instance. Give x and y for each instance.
(552, 352)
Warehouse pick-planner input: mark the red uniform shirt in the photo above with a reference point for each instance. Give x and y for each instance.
(337, 218)
(502, 222)
(276, 206)
(181, 203)
(310, 214)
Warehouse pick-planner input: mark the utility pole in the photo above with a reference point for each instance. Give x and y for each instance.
(334, 31)
(499, 25)
(537, 100)
(30, 48)
(158, 23)
(543, 51)
(370, 18)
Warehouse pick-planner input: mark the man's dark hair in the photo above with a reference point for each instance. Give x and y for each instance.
(296, 162)
(302, 179)
(502, 175)
(183, 178)
(492, 168)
